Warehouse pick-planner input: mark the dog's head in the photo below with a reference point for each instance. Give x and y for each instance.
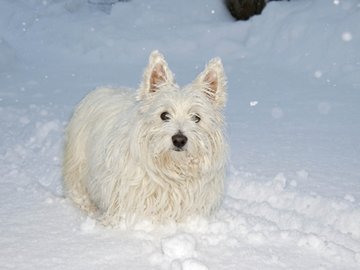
(177, 125)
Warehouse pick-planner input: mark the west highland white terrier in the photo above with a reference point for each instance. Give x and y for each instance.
(158, 154)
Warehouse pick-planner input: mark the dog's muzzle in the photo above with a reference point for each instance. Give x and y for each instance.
(179, 140)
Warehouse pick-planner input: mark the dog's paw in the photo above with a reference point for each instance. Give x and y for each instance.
(107, 221)
(89, 208)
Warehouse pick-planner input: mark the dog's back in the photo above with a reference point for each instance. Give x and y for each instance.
(96, 113)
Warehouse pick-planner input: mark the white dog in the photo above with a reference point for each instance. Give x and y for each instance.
(158, 154)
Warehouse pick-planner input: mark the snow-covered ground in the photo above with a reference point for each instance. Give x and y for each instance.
(293, 184)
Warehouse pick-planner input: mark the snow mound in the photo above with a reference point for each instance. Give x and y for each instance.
(178, 251)
(179, 247)
(193, 264)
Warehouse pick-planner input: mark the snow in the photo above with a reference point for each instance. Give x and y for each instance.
(292, 188)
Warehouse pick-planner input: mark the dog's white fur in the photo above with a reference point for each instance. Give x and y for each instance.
(119, 156)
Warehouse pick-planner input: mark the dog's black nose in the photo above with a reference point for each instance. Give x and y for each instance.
(179, 140)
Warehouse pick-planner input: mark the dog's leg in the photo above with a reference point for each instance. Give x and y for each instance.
(75, 188)
(74, 169)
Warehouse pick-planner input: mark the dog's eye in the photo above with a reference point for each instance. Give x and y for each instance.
(165, 116)
(196, 118)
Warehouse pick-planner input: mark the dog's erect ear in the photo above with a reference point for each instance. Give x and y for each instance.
(212, 82)
(156, 74)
